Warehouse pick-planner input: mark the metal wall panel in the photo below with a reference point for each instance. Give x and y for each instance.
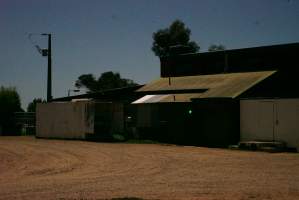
(270, 120)
(64, 120)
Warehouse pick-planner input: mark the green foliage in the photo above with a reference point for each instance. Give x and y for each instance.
(88, 81)
(107, 80)
(177, 37)
(215, 47)
(9, 104)
(32, 105)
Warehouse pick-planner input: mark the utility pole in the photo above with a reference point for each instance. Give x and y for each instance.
(49, 86)
(48, 52)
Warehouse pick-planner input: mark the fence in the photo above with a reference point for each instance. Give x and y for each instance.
(26, 120)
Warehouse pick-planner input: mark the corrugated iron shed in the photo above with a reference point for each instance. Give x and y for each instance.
(227, 85)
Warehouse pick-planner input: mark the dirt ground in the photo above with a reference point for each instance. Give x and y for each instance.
(69, 170)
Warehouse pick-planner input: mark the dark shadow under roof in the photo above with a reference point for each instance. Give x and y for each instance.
(117, 94)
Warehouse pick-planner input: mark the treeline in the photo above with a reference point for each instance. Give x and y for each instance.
(9, 104)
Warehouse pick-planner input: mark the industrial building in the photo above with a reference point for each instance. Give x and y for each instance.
(198, 110)
(218, 98)
(208, 99)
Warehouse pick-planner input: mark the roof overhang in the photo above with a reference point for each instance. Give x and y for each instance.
(187, 88)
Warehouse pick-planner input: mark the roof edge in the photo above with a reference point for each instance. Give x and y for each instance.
(254, 83)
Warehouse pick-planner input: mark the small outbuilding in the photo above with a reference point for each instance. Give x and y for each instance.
(93, 116)
(69, 120)
(79, 120)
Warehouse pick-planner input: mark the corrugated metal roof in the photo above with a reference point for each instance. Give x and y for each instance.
(228, 85)
(167, 98)
(150, 99)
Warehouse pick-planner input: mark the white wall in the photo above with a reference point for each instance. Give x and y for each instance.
(64, 119)
(270, 119)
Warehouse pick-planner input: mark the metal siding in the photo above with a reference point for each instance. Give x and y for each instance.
(117, 123)
(287, 128)
(63, 120)
(256, 120)
(283, 57)
(109, 119)
(217, 122)
(257, 117)
(144, 115)
(211, 123)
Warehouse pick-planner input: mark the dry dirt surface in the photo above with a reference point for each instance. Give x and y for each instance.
(76, 170)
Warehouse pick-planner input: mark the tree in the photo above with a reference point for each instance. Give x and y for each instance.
(88, 81)
(215, 47)
(9, 104)
(107, 80)
(173, 40)
(32, 105)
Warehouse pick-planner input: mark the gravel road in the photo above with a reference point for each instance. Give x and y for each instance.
(73, 170)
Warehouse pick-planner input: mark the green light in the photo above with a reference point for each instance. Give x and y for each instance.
(190, 111)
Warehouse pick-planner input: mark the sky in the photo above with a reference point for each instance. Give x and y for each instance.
(95, 36)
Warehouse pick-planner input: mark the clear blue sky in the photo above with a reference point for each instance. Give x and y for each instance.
(94, 36)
